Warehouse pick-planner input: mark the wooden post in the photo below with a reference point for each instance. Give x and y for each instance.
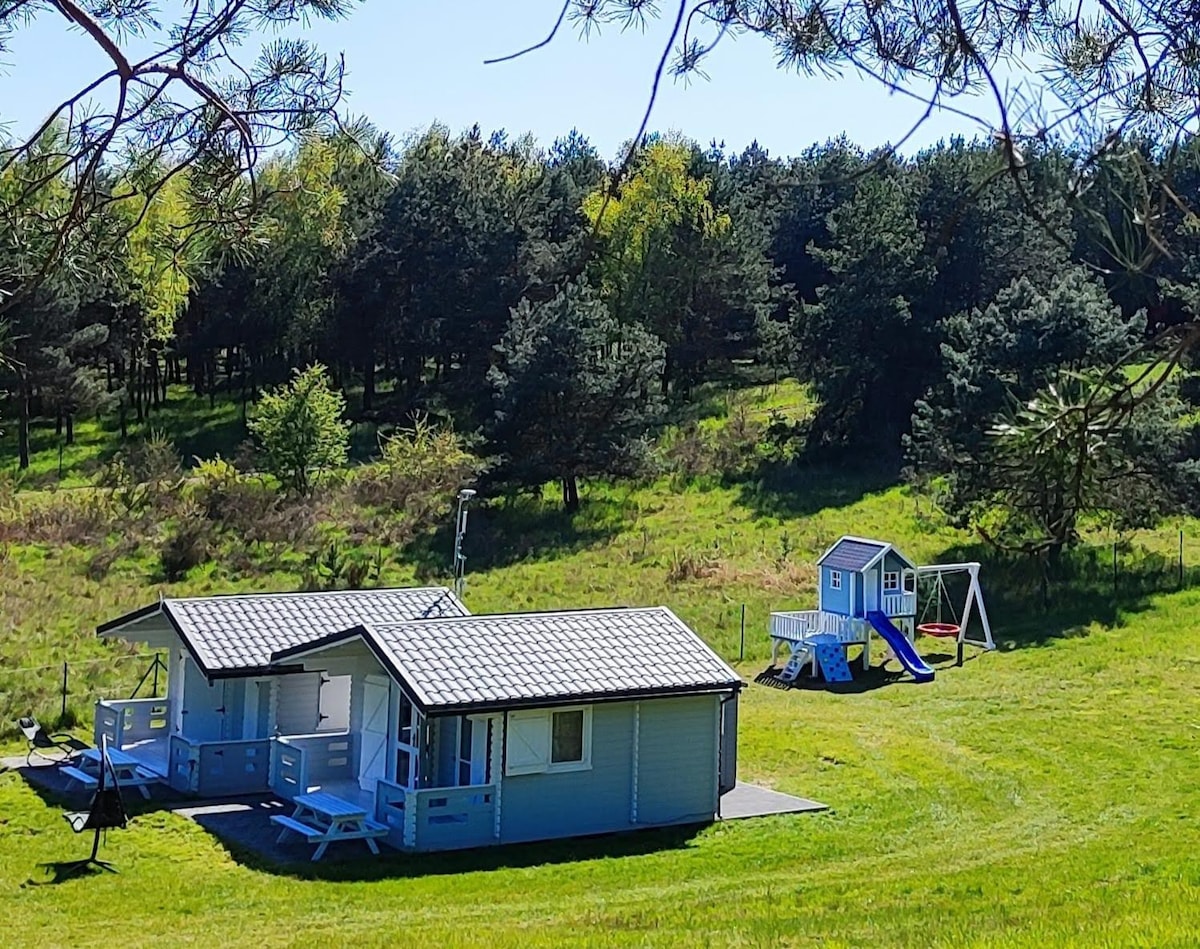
(64, 691)
(742, 648)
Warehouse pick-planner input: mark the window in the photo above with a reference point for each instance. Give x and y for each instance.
(549, 740)
(910, 582)
(407, 747)
(566, 737)
(891, 582)
(835, 579)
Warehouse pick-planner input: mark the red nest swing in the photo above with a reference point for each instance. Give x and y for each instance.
(941, 630)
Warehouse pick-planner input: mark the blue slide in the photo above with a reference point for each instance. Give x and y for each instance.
(909, 658)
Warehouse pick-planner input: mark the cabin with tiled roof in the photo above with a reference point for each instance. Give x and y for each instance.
(449, 730)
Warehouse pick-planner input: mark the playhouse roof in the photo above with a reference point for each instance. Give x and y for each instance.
(236, 635)
(531, 659)
(856, 554)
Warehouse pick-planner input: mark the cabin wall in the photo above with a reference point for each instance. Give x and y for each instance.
(729, 749)
(570, 803)
(678, 754)
(675, 745)
(835, 601)
(444, 731)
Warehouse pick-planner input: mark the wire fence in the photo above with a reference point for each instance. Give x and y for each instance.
(63, 694)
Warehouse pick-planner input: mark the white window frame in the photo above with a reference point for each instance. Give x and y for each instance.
(835, 579)
(909, 582)
(891, 581)
(541, 762)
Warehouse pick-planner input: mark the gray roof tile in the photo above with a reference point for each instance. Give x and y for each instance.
(850, 553)
(230, 633)
(507, 658)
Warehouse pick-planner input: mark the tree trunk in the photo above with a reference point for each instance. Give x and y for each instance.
(570, 493)
(70, 428)
(368, 396)
(23, 422)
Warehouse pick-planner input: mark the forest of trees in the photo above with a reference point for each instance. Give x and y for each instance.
(556, 313)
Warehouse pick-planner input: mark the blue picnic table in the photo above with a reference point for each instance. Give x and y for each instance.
(127, 770)
(322, 818)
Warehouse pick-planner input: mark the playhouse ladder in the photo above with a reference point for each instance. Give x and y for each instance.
(799, 659)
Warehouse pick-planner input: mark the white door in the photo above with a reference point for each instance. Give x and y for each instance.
(871, 590)
(372, 758)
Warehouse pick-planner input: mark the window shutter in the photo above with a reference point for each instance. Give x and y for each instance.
(527, 743)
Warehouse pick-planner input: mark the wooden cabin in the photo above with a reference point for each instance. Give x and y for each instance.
(452, 730)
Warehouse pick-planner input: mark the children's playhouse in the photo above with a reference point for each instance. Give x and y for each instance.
(868, 587)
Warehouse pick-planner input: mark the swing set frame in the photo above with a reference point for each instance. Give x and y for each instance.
(974, 602)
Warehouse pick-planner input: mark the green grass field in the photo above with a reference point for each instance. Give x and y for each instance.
(1041, 795)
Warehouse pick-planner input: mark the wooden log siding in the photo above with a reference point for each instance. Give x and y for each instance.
(677, 773)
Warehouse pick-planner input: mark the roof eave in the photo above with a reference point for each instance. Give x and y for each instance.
(594, 698)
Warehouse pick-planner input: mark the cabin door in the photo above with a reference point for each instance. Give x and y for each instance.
(372, 758)
(871, 590)
(202, 705)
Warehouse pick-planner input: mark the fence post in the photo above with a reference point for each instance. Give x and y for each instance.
(742, 648)
(1181, 560)
(64, 691)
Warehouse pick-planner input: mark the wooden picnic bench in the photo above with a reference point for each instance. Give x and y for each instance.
(321, 819)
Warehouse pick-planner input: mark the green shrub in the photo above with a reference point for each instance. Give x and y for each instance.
(300, 428)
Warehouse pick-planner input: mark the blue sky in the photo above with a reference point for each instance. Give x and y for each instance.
(411, 63)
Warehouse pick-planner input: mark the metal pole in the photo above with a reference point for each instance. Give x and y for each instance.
(742, 648)
(157, 663)
(64, 692)
(1181, 560)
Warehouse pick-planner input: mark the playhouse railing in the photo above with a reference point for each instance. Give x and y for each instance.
(900, 604)
(800, 625)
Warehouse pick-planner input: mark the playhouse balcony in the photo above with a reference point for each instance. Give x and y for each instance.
(899, 604)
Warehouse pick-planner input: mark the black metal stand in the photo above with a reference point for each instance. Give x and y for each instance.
(75, 867)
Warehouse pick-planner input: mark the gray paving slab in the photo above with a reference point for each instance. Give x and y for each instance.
(749, 800)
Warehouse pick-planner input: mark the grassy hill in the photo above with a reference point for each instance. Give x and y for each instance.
(1040, 795)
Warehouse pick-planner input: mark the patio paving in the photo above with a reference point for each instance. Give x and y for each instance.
(749, 800)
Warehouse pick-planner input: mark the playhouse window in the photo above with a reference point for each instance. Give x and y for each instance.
(891, 582)
(910, 582)
(835, 579)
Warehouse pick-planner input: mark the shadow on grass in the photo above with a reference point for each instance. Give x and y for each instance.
(243, 836)
(1031, 603)
(865, 680)
(243, 826)
(511, 530)
(801, 489)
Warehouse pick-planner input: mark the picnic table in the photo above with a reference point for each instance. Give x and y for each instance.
(322, 818)
(127, 770)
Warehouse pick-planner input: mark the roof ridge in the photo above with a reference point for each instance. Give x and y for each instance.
(573, 611)
(301, 593)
